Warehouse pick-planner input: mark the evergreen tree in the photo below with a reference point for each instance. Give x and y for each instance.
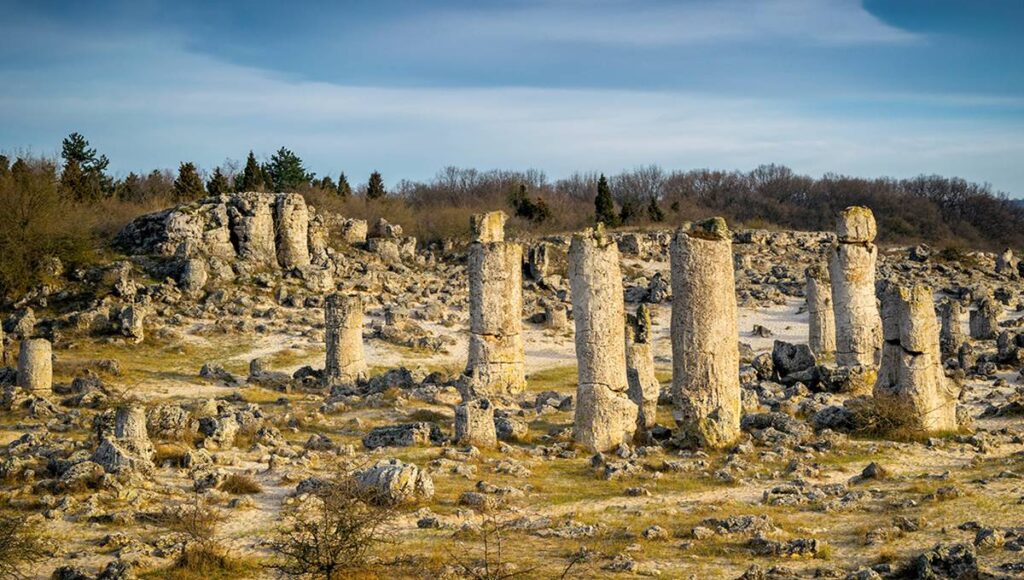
(327, 184)
(218, 183)
(375, 187)
(130, 188)
(5, 166)
(188, 186)
(252, 176)
(286, 171)
(344, 189)
(604, 205)
(84, 176)
(630, 211)
(654, 211)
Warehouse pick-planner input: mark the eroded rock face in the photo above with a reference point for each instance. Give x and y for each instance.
(912, 388)
(605, 417)
(496, 354)
(643, 384)
(252, 225)
(35, 366)
(343, 323)
(852, 273)
(705, 351)
(821, 335)
(474, 424)
(952, 334)
(129, 449)
(292, 224)
(396, 482)
(984, 320)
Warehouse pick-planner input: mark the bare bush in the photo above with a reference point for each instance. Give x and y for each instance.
(21, 544)
(335, 533)
(240, 484)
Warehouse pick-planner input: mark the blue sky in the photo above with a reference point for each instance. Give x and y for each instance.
(408, 86)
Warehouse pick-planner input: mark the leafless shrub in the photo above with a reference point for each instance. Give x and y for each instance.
(21, 543)
(240, 484)
(335, 533)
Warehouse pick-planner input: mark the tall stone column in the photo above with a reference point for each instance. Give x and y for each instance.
(821, 336)
(984, 321)
(35, 366)
(343, 323)
(605, 417)
(852, 270)
(496, 362)
(912, 390)
(291, 220)
(643, 384)
(951, 335)
(705, 337)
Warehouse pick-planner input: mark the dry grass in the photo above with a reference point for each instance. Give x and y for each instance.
(240, 484)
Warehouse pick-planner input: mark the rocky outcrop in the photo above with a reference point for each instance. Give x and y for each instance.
(605, 417)
(35, 366)
(821, 333)
(984, 320)
(644, 387)
(852, 272)
(496, 362)
(705, 350)
(951, 336)
(474, 424)
(394, 482)
(343, 323)
(912, 390)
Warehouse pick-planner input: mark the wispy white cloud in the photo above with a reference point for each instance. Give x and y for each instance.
(158, 104)
(658, 23)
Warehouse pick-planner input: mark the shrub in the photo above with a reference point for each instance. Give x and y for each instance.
(21, 544)
(335, 533)
(239, 484)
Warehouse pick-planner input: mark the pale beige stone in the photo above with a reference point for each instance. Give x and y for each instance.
(852, 273)
(604, 416)
(343, 325)
(291, 221)
(474, 424)
(951, 335)
(488, 228)
(705, 348)
(35, 366)
(821, 335)
(644, 387)
(496, 358)
(912, 388)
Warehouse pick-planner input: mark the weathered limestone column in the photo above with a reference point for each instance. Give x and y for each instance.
(705, 337)
(496, 362)
(821, 336)
(605, 417)
(252, 227)
(912, 390)
(952, 334)
(343, 324)
(852, 271)
(984, 321)
(643, 384)
(291, 220)
(130, 430)
(474, 424)
(35, 366)
(1006, 263)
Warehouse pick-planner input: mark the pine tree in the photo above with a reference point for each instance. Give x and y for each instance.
(344, 189)
(130, 188)
(252, 176)
(604, 205)
(286, 171)
(327, 184)
(375, 187)
(218, 183)
(84, 176)
(654, 211)
(188, 186)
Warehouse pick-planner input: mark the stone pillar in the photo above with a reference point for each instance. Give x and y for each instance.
(291, 219)
(952, 334)
(912, 390)
(496, 362)
(852, 271)
(35, 366)
(537, 261)
(984, 321)
(1006, 263)
(343, 325)
(474, 424)
(821, 336)
(705, 336)
(252, 227)
(605, 417)
(643, 384)
(130, 430)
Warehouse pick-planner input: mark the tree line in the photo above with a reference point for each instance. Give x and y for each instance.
(72, 207)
